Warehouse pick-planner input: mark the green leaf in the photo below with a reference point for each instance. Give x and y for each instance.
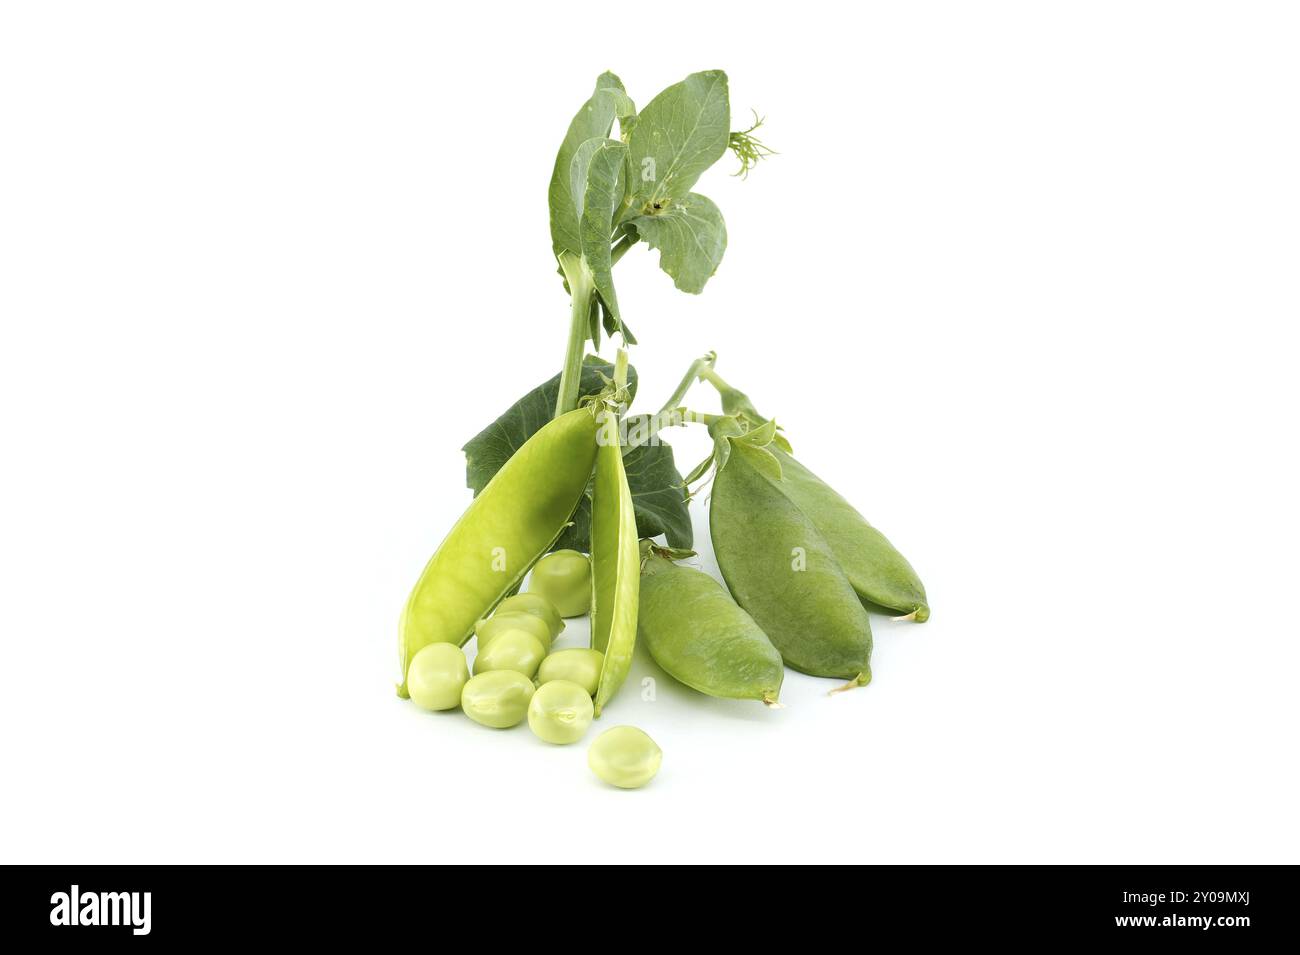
(597, 181)
(493, 446)
(690, 236)
(762, 460)
(612, 327)
(593, 121)
(658, 494)
(680, 133)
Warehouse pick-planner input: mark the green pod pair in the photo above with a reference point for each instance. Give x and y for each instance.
(513, 521)
(782, 570)
(703, 638)
(876, 570)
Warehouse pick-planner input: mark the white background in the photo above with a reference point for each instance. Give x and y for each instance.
(1022, 284)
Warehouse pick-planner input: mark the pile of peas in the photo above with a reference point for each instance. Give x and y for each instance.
(516, 674)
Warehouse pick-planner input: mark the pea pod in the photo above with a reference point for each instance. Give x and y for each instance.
(615, 578)
(511, 523)
(703, 638)
(781, 569)
(877, 571)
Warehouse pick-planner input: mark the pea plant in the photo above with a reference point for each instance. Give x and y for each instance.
(571, 487)
(606, 196)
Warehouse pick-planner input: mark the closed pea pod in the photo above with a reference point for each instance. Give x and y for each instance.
(615, 568)
(511, 523)
(702, 637)
(579, 665)
(781, 569)
(875, 568)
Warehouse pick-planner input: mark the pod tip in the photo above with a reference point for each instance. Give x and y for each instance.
(862, 679)
(401, 691)
(771, 702)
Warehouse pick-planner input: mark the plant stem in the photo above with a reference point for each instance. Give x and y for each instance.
(734, 401)
(696, 372)
(669, 418)
(581, 287)
(620, 369)
(621, 247)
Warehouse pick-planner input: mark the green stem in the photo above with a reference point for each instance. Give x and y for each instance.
(734, 401)
(581, 287)
(670, 418)
(694, 374)
(620, 248)
(620, 369)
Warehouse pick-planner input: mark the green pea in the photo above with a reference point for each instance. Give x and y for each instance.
(516, 650)
(616, 571)
(564, 578)
(780, 568)
(512, 620)
(535, 604)
(511, 523)
(877, 571)
(577, 665)
(436, 676)
(624, 757)
(700, 636)
(498, 698)
(560, 712)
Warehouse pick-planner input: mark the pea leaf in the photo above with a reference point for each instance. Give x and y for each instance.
(690, 236)
(492, 447)
(680, 133)
(597, 181)
(593, 121)
(658, 494)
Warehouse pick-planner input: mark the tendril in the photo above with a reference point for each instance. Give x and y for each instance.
(748, 149)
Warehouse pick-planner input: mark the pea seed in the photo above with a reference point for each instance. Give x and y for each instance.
(513, 620)
(516, 650)
(578, 665)
(498, 698)
(436, 676)
(624, 757)
(535, 604)
(560, 712)
(564, 578)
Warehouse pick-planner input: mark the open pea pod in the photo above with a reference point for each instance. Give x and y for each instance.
(512, 522)
(615, 567)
